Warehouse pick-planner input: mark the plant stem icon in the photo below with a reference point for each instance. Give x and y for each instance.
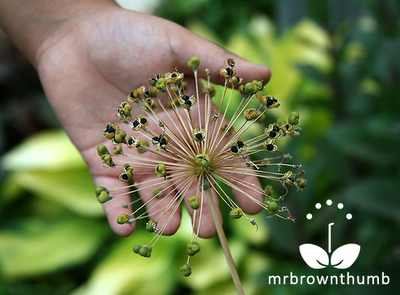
(317, 258)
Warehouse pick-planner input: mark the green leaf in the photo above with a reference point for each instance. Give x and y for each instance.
(72, 188)
(35, 246)
(51, 150)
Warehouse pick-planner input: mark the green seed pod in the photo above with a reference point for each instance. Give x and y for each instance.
(117, 150)
(142, 143)
(280, 122)
(102, 150)
(236, 213)
(194, 202)
(103, 197)
(161, 170)
(294, 118)
(250, 114)
(145, 251)
(193, 248)
(158, 193)
(250, 88)
(99, 189)
(136, 248)
(123, 218)
(194, 62)
(186, 270)
(151, 225)
(203, 160)
(301, 182)
(269, 190)
(273, 208)
(107, 161)
(153, 91)
(119, 136)
(161, 84)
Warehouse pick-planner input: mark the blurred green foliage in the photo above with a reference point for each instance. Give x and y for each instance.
(336, 62)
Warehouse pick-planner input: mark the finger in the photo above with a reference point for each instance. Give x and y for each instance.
(202, 219)
(162, 203)
(114, 208)
(213, 57)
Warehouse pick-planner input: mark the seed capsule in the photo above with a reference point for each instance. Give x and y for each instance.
(123, 218)
(193, 248)
(301, 182)
(250, 114)
(158, 193)
(270, 145)
(142, 145)
(186, 101)
(102, 150)
(151, 225)
(194, 202)
(273, 208)
(100, 189)
(236, 213)
(103, 197)
(203, 160)
(145, 251)
(119, 136)
(186, 270)
(194, 63)
(161, 84)
(294, 118)
(161, 170)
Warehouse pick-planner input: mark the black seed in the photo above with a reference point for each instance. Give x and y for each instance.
(270, 147)
(124, 176)
(156, 138)
(188, 102)
(269, 101)
(163, 141)
(174, 75)
(234, 149)
(199, 136)
(110, 128)
(131, 141)
(240, 144)
(275, 128)
(135, 123)
(229, 71)
(185, 97)
(143, 120)
(272, 134)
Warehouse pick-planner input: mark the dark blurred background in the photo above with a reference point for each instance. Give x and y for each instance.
(336, 62)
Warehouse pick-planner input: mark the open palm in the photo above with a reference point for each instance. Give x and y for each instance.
(88, 67)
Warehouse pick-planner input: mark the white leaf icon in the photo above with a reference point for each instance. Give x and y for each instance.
(314, 256)
(344, 256)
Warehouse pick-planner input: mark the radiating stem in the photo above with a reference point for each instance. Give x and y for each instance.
(224, 242)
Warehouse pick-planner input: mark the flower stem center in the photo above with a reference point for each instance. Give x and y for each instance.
(203, 160)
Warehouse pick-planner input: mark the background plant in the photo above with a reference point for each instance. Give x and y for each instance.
(336, 62)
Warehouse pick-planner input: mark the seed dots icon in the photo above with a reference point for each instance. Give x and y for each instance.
(329, 202)
(317, 258)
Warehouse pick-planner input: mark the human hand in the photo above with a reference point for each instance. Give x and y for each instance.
(88, 66)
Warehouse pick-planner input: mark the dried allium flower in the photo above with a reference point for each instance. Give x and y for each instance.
(192, 154)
